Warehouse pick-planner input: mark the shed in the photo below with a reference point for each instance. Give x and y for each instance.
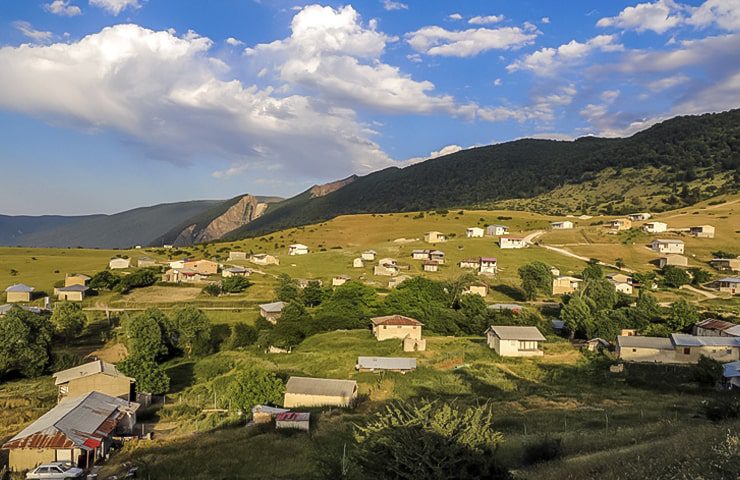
(392, 364)
(272, 311)
(497, 230)
(119, 263)
(474, 232)
(18, 293)
(515, 341)
(72, 293)
(297, 249)
(98, 376)
(319, 392)
(293, 420)
(702, 231)
(75, 279)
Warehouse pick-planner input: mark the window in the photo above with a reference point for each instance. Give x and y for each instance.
(634, 350)
(527, 345)
(687, 351)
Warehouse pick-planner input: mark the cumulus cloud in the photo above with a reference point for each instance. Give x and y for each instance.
(549, 61)
(433, 40)
(234, 42)
(667, 82)
(545, 20)
(63, 8)
(486, 20)
(725, 14)
(446, 150)
(165, 94)
(37, 35)
(391, 5)
(455, 16)
(664, 15)
(114, 7)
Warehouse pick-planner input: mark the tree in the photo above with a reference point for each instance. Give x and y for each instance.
(675, 277)
(147, 334)
(536, 277)
(619, 263)
(242, 335)
(707, 371)
(104, 280)
(150, 377)
(682, 315)
(592, 271)
(602, 293)
(144, 277)
(646, 310)
(699, 276)
(286, 289)
(353, 301)
(253, 386)
(68, 320)
(578, 317)
(313, 295)
(235, 284)
(212, 289)
(429, 440)
(193, 330)
(25, 342)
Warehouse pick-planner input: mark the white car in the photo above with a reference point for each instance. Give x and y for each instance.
(55, 471)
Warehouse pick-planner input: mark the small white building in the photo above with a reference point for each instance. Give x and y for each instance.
(297, 249)
(512, 242)
(119, 263)
(655, 227)
(430, 266)
(673, 260)
(272, 311)
(515, 341)
(437, 256)
(563, 225)
(702, 231)
(474, 232)
(729, 285)
(177, 264)
(497, 230)
(476, 289)
(667, 246)
(385, 364)
(435, 237)
(264, 259)
(338, 280)
(237, 256)
(488, 266)
(470, 263)
(368, 255)
(636, 217)
(358, 263)
(420, 254)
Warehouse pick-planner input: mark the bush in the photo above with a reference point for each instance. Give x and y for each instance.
(235, 284)
(543, 450)
(212, 289)
(722, 407)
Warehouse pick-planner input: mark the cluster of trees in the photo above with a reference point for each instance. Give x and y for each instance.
(107, 280)
(227, 285)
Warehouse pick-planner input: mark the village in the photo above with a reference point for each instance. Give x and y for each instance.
(517, 293)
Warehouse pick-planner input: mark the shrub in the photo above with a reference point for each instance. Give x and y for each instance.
(543, 449)
(722, 407)
(707, 371)
(212, 289)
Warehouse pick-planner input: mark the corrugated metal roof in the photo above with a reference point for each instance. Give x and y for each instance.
(638, 341)
(20, 287)
(78, 275)
(684, 340)
(87, 369)
(274, 307)
(506, 332)
(268, 409)
(395, 320)
(73, 288)
(732, 369)
(293, 417)
(663, 240)
(321, 386)
(730, 279)
(386, 363)
(715, 324)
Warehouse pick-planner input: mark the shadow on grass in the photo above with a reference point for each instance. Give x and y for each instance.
(181, 376)
(513, 293)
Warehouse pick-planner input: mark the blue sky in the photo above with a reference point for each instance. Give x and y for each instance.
(107, 105)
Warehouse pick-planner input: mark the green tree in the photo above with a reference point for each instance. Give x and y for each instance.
(212, 289)
(144, 277)
(699, 276)
(253, 386)
(104, 280)
(235, 284)
(146, 334)
(578, 317)
(286, 289)
(68, 320)
(293, 326)
(25, 342)
(149, 375)
(242, 335)
(592, 271)
(536, 278)
(646, 310)
(353, 301)
(193, 330)
(601, 292)
(313, 295)
(707, 371)
(674, 277)
(682, 315)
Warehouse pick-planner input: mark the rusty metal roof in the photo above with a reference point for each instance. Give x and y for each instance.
(395, 320)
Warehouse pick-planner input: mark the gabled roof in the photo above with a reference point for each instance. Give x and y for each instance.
(74, 288)
(80, 422)
(684, 340)
(321, 386)
(78, 275)
(637, 341)
(274, 307)
(715, 324)
(569, 278)
(20, 287)
(87, 369)
(488, 259)
(505, 332)
(726, 280)
(386, 363)
(663, 240)
(395, 320)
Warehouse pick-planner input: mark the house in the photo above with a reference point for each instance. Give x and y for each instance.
(511, 242)
(358, 263)
(679, 348)
(622, 283)
(368, 255)
(488, 266)
(726, 264)
(119, 263)
(293, 421)
(673, 260)
(716, 328)
(506, 307)
(435, 237)
(146, 262)
(512, 341)
(729, 285)
(731, 374)
(497, 230)
(233, 255)
(73, 293)
(555, 271)
(476, 289)
(177, 264)
(203, 267)
(78, 430)
(563, 225)
(655, 227)
(396, 281)
(396, 326)
(474, 232)
(339, 280)
(235, 272)
(636, 217)
(667, 246)
(75, 279)
(264, 259)
(470, 263)
(430, 266)
(387, 269)
(319, 392)
(564, 284)
(182, 275)
(702, 231)
(619, 224)
(18, 293)
(96, 376)
(420, 254)
(385, 364)
(437, 256)
(272, 311)
(297, 249)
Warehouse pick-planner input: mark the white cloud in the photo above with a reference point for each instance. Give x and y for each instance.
(498, 82)
(446, 150)
(725, 14)
(545, 20)
(114, 7)
(455, 16)
(37, 35)
(234, 42)
(63, 8)
(392, 5)
(609, 96)
(166, 95)
(667, 82)
(659, 17)
(486, 20)
(549, 61)
(433, 40)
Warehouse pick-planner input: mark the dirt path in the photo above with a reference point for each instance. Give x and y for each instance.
(567, 253)
(706, 294)
(533, 236)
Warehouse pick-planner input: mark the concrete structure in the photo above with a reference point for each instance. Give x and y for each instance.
(655, 227)
(414, 344)
(119, 263)
(673, 260)
(235, 272)
(387, 364)
(203, 267)
(477, 289)
(702, 231)
(368, 255)
(563, 225)
(73, 293)
(78, 430)
(430, 266)
(18, 293)
(435, 237)
(319, 392)
(358, 263)
(146, 262)
(420, 254)
(474, 232)
(293, 420)
(297, 249)
(622, 283)
(636, 217)
(497, 230)
(679, 348)
(716, 328)
(396, 281)
(75, 279)
(234, 255)
(488, 266)
(177, 264)
(386, 269)
(264, 259)
(619, 224)
(511, 242)
(182, 275)
(514, 341)
(339, 280)
(565, 284)
(726, 264)
(437, 256)
(470, 263)
(396, 327)
(729, 285)
(667, 246)
(96, 376)
(272, 311)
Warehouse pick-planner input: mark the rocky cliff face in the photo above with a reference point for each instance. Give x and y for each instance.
(245, 210)
(327, 188)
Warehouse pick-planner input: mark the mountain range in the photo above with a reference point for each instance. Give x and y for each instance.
(677, 162)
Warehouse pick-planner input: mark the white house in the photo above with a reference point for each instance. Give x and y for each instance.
(702, 231)
(488, 266)
(431, 266)
(177, 264)
(667, 246)
(474, 232)
(515, 341)
(636, 217)
(358, 263)
(564, 225)
(497, 230)
(673, 260)
(511, 242)
(729, 285)
(655, 227)
(119, 263)
(420, 254)
(437, 256)
(368, 255)
(297, 249)
(470, 263)
(339, 280)
(434, 237)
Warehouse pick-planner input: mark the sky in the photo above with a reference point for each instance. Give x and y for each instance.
(107, 105)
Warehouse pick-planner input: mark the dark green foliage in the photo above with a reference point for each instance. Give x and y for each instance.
(707, 371)
(193, 330)
(150, 376)
(144, 277)
(68, 319)
(25, 342)
(313, 295)
(682, 315)
(212, 289)
(699, 276)
(601, 292)
(536, 278)
(104, 280)
(593, 271)
(148, 334)
(646, 310)
(242, 335)
(235, 284)
(253, 386)
(674, 277)
(286, 289)
(722, 407)
(542, 449)
(353, 302)
(578, 316)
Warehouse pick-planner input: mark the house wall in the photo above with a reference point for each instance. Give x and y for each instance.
(237, 256)
(69, 281)
(119, 264)
(70, 296)
(669, 247)
(293, 400)
(113, 386)
(298, 425)
(386, 332)
(732, 288)
(15, 297)
(624, 288)
(560, 287)
(643, 354)
(27, 458)
(203, 267)
(510, 348)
